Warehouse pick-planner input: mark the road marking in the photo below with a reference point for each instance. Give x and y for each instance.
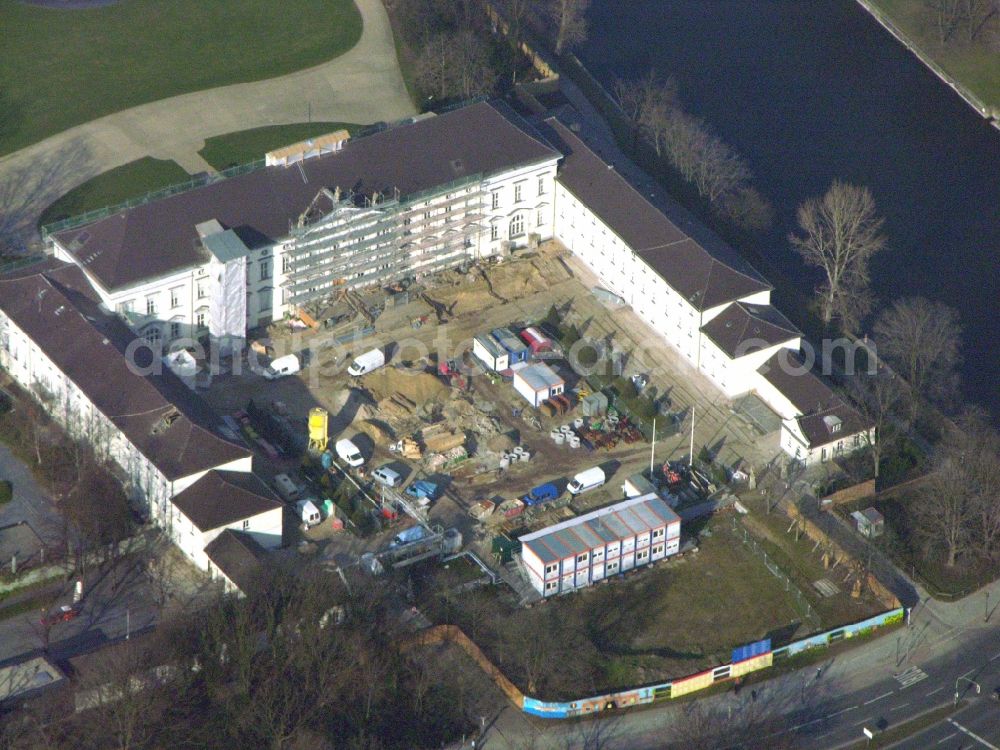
(901, 705)
(865, 721)
(911, 676)
(838, 713)
(995, 657)
(962, 677)
(884, 695)
(936, 690)
(945, 739)
(972, 734)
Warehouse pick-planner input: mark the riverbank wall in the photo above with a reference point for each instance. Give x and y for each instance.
(992, 116)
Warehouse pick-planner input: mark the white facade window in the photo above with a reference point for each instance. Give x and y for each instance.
(199, 319)
(551, 586)
(539, 218)
(658, 549)
(265, 298)
(541, 186)
(641, 555)
(517, 226)
(494, 232)
(201, 291)
(286, 262)
(246, 525)
(581, 559)
(152, 335)
(549, 569)
(612, 566)
(175, 330)
(175, 297)
(518, 193)
(127, 306)
(150, 305)
(658, 533)
(265, 270)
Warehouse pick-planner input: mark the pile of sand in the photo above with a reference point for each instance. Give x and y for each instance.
(418, 387)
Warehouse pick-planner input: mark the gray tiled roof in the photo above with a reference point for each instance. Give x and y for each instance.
(578, 535)
(56, 309)
(743, 328)
(813, 398)
(223, 497)
(260, 206)
(693, 260)
(239, 556)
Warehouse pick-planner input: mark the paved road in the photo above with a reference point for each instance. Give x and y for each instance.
(31, 503)
(363, 85)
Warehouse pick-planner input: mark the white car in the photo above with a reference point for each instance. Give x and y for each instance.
(386, 476)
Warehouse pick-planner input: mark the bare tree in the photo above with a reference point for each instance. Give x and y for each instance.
(921, 340)
(947, 14)
(720, 171)
(878, 397)
(435, 64)
(840, 234)
(122, 692)
(955, 507)
(569, 19)
(516, 11)
(474, 75)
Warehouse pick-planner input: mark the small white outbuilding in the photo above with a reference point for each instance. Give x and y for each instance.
(538, 383)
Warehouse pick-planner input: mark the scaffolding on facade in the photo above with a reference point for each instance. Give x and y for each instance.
(352, 241)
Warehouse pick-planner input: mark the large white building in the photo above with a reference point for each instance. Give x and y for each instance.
(82, 364)
(441, 190)
(402, 202)
(606, 542)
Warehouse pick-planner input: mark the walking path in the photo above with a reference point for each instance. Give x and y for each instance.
(363, 85)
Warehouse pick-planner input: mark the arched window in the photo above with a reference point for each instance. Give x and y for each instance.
(516, 226)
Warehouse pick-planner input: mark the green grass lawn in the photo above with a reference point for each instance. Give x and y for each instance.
(128, 181)
(224, 151)
(669, 621)
(975, 65)
(60, 68)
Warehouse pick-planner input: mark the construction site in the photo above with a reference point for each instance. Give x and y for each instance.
(458, 463)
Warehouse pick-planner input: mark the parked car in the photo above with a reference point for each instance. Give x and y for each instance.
(282, 366)
(386, 476)
(65, 613)
(367, 362)
(349, 453)
(543, 493)
(587, 480)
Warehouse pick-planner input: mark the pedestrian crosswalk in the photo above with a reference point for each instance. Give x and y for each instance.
(911, 676)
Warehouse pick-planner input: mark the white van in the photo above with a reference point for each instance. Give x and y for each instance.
(308, 512)
(386, 476)
(282, 366)
(349, 453)
(286, 487)
(367, 362)
(587, 480)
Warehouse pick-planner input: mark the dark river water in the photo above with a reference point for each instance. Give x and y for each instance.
(812, 90)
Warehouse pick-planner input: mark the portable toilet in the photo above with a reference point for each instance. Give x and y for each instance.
(308, 512)
(319, 420)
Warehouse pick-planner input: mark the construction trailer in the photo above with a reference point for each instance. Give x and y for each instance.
(490, 353)
(538, 383)
(517, 350)
(606, 542)
(537, 341)
(345, 240)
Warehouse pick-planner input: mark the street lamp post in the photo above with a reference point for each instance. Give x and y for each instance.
(971, 682)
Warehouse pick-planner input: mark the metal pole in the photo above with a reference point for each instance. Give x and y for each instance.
(128, 623)
(986, 614)
(691, 454)
(652, 448)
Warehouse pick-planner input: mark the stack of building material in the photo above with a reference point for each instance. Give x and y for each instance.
(481, 509)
